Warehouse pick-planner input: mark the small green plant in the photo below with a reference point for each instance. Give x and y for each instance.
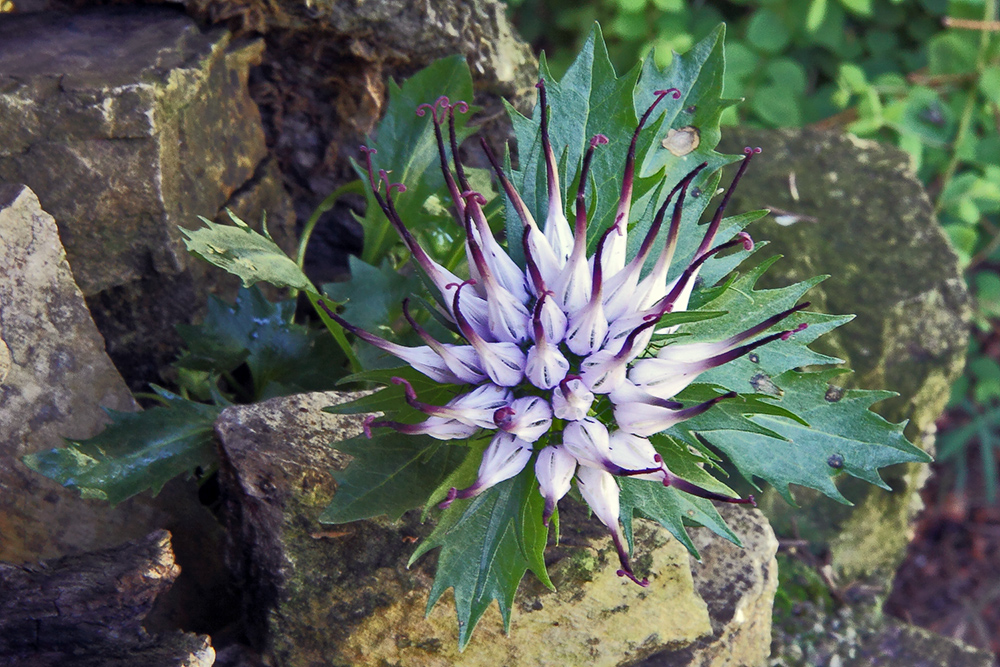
(573, 352)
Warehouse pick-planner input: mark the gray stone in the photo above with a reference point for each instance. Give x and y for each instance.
(342, 595)
(859, 636)
(400, 32)
(854, 209)
(54, 379)
(127, 123)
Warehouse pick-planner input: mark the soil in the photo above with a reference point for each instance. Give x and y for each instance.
(950, 580)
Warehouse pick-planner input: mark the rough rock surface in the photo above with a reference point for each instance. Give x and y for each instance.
(854, 209)
(128, 122)
(88, 610)
(341, 595)
(54, 379)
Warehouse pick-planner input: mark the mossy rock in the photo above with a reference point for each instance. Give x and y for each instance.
(342, 595)
(853, 209)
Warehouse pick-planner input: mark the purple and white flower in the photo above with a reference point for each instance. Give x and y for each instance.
(543, 346)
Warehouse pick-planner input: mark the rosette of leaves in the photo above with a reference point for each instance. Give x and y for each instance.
(500, 445)
(747, 396)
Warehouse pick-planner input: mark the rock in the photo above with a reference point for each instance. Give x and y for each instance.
(128, 122)
(57, 378)
(859, 636)
(88, 610)
(341, 595)
(854, 209)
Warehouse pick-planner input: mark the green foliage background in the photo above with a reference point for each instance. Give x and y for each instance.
(890, 70)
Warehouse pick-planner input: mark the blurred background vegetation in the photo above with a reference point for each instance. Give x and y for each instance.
(921, 74)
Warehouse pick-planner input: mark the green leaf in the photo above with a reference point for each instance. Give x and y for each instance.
(481, 557)
(390, 474)
(747, 307)
(670, 508)
(767, 31)
(137, 451)
(256, 258)
(843, 436)
(590, 99)
(372, 298)
(245, 253)
(283, 357)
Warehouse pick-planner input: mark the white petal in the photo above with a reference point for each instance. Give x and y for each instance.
(601, 492)
(573, 285)
(478, 406)
(663, 379)
(554, 470)
(503, 362)
(572, 400)
(587, 329)
(634, 453)
(645, 419)
(528, 418)
(508, 319)
(553, 320)
(602, 372)
(546, 366)
(587, 440)
(505, 456)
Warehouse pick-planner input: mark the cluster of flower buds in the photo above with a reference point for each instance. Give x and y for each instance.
(541, 345)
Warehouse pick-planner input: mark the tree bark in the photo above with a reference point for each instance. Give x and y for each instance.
(88, 609)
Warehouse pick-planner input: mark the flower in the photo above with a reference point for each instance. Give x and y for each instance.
(543, 346)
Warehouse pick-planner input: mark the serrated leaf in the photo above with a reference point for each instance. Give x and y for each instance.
(670, 508)
(843, 436)
(481, 557)
(283, 357)
(245, 253)
(746, 307)
(390, 474)
(138, 451)
(729, 415)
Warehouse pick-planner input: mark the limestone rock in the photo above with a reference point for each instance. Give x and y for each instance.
(341, 595)
(56, 378)
(853, 209)
(128, 122)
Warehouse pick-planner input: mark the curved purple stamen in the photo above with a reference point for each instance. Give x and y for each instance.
(463, 324)
(536, 321)
(442, 154)
(453, 138)
(625, 199)
(508, 187)
(449, 499)
(580, 225)
(676, 482)
(713, 227)
(654, 229)
(788, 334)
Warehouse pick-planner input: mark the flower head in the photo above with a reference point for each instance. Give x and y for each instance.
(542, 346)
